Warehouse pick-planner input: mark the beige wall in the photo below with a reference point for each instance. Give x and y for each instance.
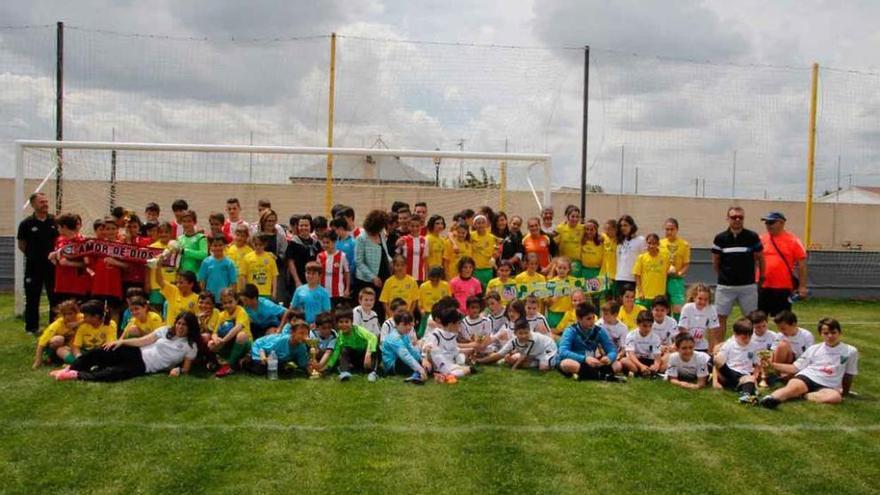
(700, 218)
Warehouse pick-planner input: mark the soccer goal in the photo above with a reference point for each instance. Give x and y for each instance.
(92, 177)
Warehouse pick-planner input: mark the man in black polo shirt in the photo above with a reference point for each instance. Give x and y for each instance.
(735, 252)
(36, 239)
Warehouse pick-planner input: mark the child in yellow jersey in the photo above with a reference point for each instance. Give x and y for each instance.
(209, 317)
(530, 281)
(609, 258)
(429, 293)
(56, 339)
(570, 318)
(169, 273)
(457, 247)
(95, 330)
(570, 238)
(434, 242)
(239, 247)
(565, 283)
(629, 310)
(231, 339)
(483, 249)
(650, 270)
(592, 251)
(142, 321)
(679, 252)
(399, 285)
(503, 284)
(179, 296)
(259, 268)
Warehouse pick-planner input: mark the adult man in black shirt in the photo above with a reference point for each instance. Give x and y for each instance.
(735, 252)
(36, 239)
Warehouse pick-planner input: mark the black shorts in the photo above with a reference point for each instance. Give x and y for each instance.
(811, 385)
(646, 361)
(774, 301)
(731, 377)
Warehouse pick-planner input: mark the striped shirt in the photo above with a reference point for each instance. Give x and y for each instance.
(334, 268)
(414, 249)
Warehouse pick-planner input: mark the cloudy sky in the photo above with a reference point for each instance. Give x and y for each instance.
(680, 90)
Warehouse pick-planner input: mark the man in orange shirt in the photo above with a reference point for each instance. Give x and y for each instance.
(785, 260)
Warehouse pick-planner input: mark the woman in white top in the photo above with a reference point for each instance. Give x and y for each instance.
(629, 247)
(165, 348)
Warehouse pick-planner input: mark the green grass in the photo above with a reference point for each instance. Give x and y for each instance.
(496, 432)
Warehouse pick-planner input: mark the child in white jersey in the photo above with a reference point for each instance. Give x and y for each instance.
(737, 362)
(537, 321)
(824, 373)
(643, 348)
(476, 329)
(664, 326)
(440, 349)
(700, 319)
(616, 330)
(792, 341)
(527, 349)
(686, 368)
(363, 314)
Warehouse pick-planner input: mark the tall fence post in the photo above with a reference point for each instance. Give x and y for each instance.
(811, 157)
(331, 107)
(584, 131)
(59, 115)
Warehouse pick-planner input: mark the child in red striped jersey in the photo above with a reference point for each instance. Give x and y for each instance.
(334, 269)
(414, 249)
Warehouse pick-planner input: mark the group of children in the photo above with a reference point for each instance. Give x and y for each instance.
(484, 294)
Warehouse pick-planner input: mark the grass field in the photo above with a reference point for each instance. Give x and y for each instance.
(496, 432)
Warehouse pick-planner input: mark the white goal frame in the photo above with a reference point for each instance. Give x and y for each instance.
(537, 159)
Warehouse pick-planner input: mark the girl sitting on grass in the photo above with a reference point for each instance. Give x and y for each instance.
(57, 338)
(164, 349)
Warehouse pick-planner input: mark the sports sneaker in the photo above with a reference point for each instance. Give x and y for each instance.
(66, 375)
(769, 402)
(615, 379)
(748, 399)
(224, 370)
(372, 377)
(415, 379)
(344, 376)
(451, 379)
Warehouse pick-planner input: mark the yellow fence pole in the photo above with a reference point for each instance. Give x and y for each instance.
(502, 194)
(811, 157)
(331, 107)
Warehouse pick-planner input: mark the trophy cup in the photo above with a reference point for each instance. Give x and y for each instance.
(170, 250)
(313, 353)
(766, 367)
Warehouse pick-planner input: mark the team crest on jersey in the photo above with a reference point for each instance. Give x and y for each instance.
(751, 355)
(843, 359)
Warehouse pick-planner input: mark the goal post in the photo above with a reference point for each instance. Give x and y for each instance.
(202, 173)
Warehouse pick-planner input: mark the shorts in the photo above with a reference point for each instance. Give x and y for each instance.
(646, 361)
(812, 386)
(544, 361)
(731, 377)
(446, 365)
(745, 295)
(587, 372)
(774, 301)
(675, 291)
(484, 275)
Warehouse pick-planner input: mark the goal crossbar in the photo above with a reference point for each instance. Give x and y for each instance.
(542, 160)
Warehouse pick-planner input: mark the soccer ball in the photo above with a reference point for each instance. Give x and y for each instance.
(225, 327)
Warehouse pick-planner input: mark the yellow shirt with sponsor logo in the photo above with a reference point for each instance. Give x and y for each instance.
(59, 327)
(483, 248)
(405, 288)
(237, 254)
(592, 256)
(178, 303)
(260, 270)
(569, 239)
(435, 245)
(652, 270)
(89, 338)
(506, 289)
(240, 317)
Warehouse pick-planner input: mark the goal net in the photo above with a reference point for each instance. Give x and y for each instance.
(95, 177)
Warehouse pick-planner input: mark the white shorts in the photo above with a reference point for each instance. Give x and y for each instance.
(544, 361)
(446, 364)
(745, 295)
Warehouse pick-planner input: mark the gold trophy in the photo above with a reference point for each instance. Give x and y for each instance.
(766, 368)
(313, 353)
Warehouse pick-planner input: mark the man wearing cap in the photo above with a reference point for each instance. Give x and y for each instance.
(786, 266)
(735, 254)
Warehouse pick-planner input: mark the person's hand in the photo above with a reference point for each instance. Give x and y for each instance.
(424, 375)
(174, 372)
(605, 360)
(377, 281)
(346, 293)
(368, 361)
(593, 362)
(672, 270)
(264, 359)
(802, 292)
(37, 363)
(109, 346)
(716, 385)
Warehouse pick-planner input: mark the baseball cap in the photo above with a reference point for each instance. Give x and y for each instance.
(773, 216)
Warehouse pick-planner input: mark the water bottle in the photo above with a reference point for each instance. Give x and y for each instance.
(272, 365)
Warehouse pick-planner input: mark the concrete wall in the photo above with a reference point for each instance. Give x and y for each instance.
(700, 218)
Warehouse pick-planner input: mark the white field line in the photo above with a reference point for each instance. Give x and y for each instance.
(473, 428)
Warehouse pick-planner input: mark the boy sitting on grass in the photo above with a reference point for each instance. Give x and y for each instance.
(687, 368)
(440, 347)
(399, 357)
(823, 374)
(288, 345)
(527, 349)
(355, 348)
(578, 345)
(325, 337)
(737, 362)
(643, 348)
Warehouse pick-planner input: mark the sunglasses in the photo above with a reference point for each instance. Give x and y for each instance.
(736, 217)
